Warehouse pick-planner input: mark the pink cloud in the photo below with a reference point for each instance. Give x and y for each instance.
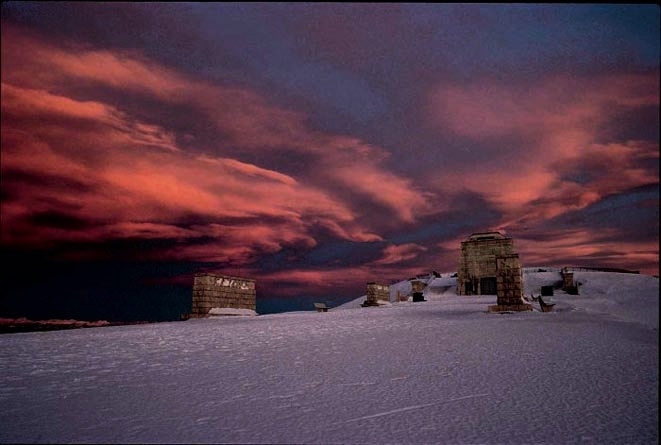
(339, 280)
(114, 126)
(30, 61)
(581, 246)
(394, 254)
(241, 243)
(251, 170)
(243, 116)
(560, 122)
(487, 108)
(138, 180)
(147, 231)
(321, 281)
(394, 192)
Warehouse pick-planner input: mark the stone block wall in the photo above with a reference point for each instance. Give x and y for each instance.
(509, 285)
(478, 260)
(221, 291)
(377, 292)
(509, 280)
(568, 283)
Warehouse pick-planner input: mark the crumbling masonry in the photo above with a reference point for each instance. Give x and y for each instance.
(488, 266)
(477, 266)
(509, 282)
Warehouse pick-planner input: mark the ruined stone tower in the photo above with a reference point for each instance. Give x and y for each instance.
(476, 274)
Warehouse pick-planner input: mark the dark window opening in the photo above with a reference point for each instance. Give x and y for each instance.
(488, 286)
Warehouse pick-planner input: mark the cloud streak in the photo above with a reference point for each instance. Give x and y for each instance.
(143, 180)
(555, 129)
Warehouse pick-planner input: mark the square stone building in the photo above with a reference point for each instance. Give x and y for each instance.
(221, 291)
(477, 272)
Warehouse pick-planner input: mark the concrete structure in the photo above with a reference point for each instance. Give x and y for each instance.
(476, 274)
(376, 292)
(221, 291)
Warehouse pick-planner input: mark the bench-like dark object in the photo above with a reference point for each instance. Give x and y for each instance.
(321, 307)
(544, 306)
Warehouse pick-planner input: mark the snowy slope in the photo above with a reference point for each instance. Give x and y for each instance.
(441, 371)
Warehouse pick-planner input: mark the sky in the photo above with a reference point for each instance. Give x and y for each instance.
(440, 371)
(300, 144)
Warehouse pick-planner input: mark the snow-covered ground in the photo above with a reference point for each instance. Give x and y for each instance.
(440, 371)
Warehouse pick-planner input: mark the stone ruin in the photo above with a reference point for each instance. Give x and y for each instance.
(489, 265)
(375, 293)
(221, 291)
(477, 265)
(568, 283)
(509, 285)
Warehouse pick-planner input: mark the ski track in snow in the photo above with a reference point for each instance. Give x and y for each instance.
(441, 371)
(409, 408)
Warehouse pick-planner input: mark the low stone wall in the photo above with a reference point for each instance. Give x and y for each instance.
(221, 291)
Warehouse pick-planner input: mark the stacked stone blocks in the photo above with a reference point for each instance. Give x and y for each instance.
(568, 283)
(376, 292)
(221, 291)
(478, 260)
(509, 279)
(509, 283)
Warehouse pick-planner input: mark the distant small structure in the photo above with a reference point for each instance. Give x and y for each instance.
(321, 307)
(375, 293)
(221, 291)
(568, 283)
(417, 289)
